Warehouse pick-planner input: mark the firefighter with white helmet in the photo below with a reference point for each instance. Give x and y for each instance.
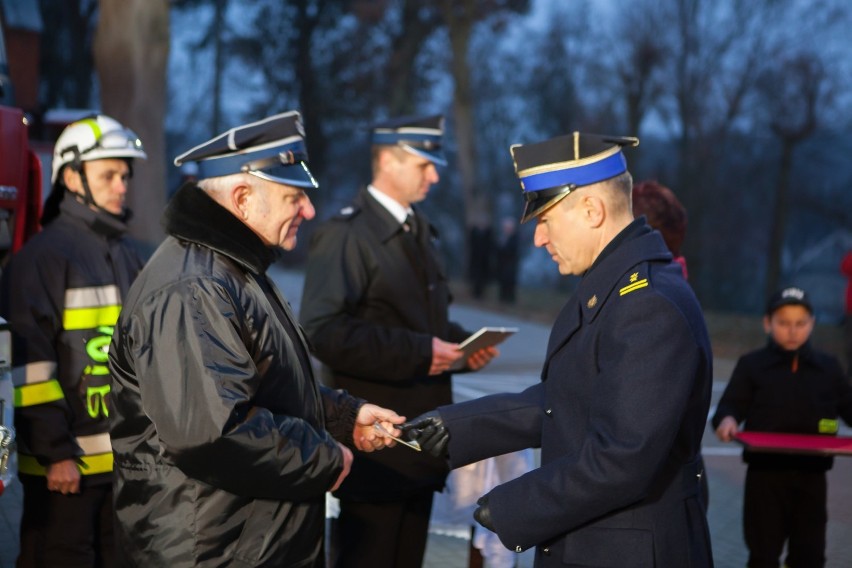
(61, 294)
(98, 137)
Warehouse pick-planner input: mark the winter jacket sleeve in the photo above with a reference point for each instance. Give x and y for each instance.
(737, 397)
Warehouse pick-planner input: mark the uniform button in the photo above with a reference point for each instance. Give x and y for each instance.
(549, 411)
(545, 551)
(518, 549)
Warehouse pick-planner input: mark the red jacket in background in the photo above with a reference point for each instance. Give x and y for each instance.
(846, 269)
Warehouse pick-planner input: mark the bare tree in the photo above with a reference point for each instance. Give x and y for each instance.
(131, 52)
(794, 91)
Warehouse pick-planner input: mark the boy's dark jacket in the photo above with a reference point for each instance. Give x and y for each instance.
(797, 392)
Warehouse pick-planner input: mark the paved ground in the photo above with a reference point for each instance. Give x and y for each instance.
(519, 366)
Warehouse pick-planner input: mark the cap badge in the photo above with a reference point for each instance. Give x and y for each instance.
(796, 293)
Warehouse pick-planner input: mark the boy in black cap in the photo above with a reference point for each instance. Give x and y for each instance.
(787, 386)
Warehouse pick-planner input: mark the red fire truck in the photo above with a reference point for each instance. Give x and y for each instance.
(20, 194)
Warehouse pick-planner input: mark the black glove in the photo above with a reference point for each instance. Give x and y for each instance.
(428, 430)
(482, 514)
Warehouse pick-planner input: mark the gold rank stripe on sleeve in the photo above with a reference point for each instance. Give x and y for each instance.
(35, 383)
(97, 457)
(633, 287)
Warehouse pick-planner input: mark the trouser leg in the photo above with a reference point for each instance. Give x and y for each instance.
(766, 512)
(806, 548)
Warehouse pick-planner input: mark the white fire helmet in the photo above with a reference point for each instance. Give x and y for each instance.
(94, 138)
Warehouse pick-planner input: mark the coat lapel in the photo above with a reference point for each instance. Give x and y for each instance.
(567, 323)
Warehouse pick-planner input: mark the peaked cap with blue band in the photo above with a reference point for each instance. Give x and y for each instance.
(272, 149)
(552, 169)
(421, 136)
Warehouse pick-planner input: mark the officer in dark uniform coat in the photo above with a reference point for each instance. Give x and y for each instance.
(375, 308)
(625, 386)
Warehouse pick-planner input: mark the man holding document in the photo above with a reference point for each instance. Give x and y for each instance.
(375, 308)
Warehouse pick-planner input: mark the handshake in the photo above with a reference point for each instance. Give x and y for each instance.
(429, 432)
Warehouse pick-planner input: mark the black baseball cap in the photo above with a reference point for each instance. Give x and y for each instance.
(791, 296)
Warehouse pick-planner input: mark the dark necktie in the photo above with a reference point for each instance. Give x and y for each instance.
(410, 225)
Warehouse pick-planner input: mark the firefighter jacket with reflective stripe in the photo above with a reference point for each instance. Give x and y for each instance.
(61, 294)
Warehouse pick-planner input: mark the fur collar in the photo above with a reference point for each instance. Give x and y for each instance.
(194, 216)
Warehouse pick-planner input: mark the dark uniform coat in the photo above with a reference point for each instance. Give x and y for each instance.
(372, 302)
(62, 294)
(619, 416)
(222, 438)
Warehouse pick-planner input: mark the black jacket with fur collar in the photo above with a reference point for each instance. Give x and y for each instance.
(220, 431)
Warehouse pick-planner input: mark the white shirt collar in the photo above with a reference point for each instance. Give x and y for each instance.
(393, 206)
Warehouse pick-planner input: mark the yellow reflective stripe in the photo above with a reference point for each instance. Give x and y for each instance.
(92, 297)
(37, 372)
(39, 393)
(98, 463)
(90, 318)
(635, 286)
(88, 465)
(93, 124)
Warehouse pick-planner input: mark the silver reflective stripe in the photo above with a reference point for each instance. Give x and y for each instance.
(92, 296)
(95, 444)
(33, 373)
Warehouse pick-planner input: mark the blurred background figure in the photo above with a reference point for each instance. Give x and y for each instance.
(480, 251)
(846, 269)
(665, 213)
(507, 259)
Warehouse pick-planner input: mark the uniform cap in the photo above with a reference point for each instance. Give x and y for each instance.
(272, 149)
(550, 170)
(421, 136)
(791, 296)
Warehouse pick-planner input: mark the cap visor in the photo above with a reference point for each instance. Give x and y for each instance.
(297, 175)
(536, 207)
(436, 158)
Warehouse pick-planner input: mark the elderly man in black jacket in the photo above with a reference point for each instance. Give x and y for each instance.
(224, 443)
(375, 307)
(625, 389)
